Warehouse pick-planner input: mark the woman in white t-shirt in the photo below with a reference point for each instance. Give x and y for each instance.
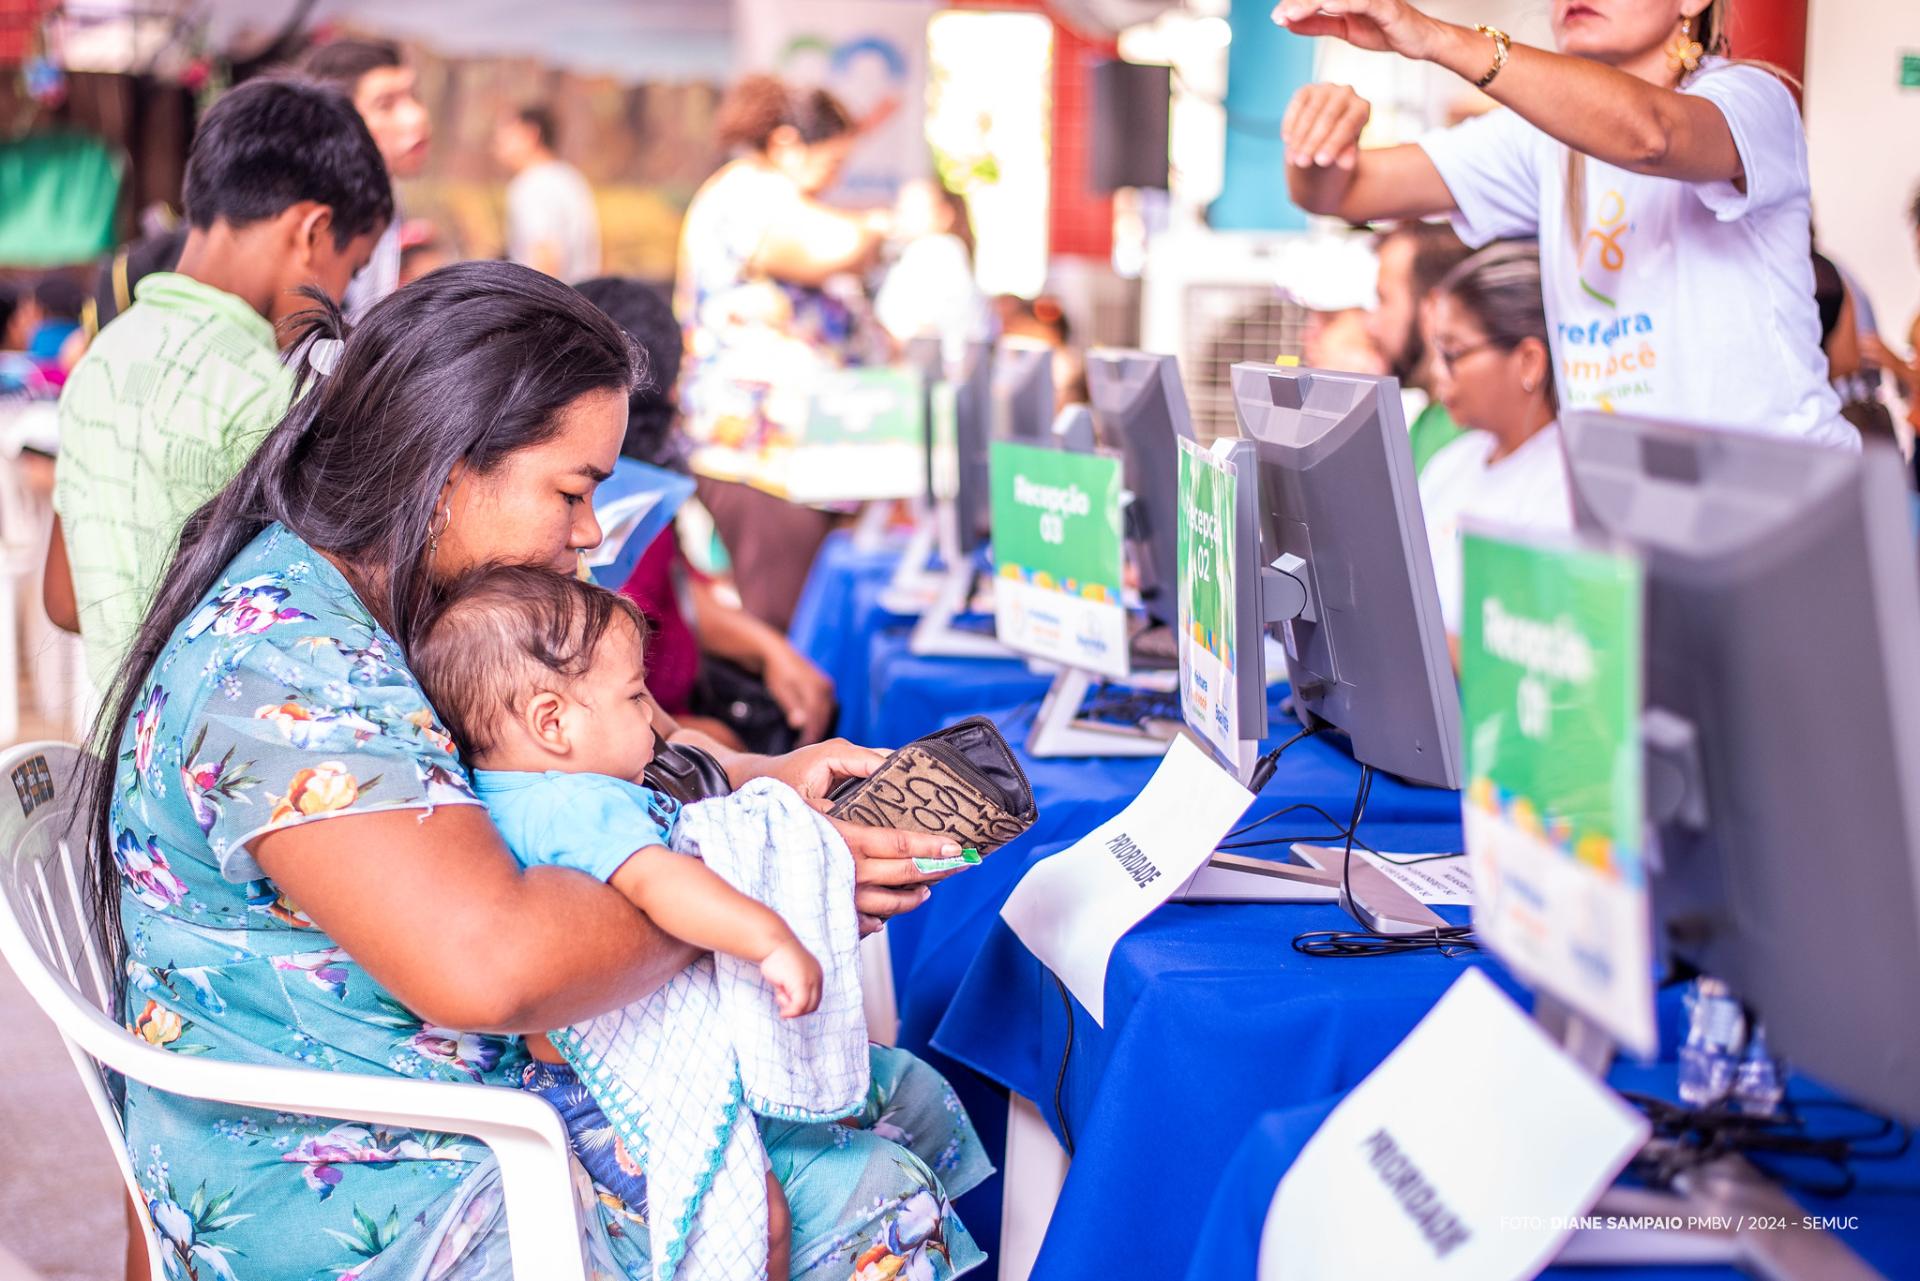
(1486, 328)
(1667, 186)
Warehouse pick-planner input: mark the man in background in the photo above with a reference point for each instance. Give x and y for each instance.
(552, 225)
(284, 189)
(385, 91)
(1414, 257)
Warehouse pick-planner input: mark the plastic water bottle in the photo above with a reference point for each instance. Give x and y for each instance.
(1716, 1027)
(1759, 1084)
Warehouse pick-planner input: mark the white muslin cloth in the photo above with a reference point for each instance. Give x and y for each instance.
(681, 1073)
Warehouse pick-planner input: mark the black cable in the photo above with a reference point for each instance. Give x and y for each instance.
(1686, 1138)
(1450, 941)
(1263, 769)
(1060, 1082)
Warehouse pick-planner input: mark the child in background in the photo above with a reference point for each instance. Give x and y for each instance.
(541, 680)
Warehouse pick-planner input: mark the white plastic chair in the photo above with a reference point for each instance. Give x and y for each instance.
(46, 938)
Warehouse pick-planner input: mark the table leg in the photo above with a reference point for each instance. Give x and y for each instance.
(1036, 1168)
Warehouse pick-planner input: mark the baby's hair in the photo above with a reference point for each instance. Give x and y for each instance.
(502, 633)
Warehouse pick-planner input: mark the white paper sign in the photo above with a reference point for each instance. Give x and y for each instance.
(1439, 880)
(1465, 1155)
(1071, 909)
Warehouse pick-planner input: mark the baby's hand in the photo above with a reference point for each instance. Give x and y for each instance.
(795, 976)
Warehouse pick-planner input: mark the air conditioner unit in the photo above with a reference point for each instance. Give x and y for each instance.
(1214, 298)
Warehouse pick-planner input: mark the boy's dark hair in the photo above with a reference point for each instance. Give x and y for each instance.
(341, 63)
(501, 631)
(644, 312)
(540, 120)
(272, 143)
(1913, 210)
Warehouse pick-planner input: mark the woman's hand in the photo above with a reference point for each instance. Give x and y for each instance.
(804, 692)
(811, 771)
(1389, 26)
(886, 883)
(1322, 127)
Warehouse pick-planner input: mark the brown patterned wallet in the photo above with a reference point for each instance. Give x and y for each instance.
(962, 782)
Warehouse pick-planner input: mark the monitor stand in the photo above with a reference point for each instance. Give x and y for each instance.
(937, 634)
(1378, 903)
(871, 526)
(1060, 728)
(915, 584)
(1714, 1203)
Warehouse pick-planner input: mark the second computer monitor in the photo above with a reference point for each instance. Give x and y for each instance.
(1022, 391)
(972, 396)
(1140, 409)
(1783, 727)
(1343, 567)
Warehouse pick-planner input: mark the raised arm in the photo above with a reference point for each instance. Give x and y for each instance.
(811, 242)
(436, 909)
(1593, 108)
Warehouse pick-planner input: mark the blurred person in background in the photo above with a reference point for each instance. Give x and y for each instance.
(1042, 319)
(48, 319)
(1414, 257)
(422, 249)
(385, 91)
(713, 666)
(1493, 370)
(1667, 185)
(552, 225)
(285, 191)
(1905, 369)
(930, 290)
(131, 263)
(758, 251)
(1845, 327)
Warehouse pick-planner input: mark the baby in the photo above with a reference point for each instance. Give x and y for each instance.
(541, 681)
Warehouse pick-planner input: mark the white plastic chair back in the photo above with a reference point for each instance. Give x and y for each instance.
(47, 938)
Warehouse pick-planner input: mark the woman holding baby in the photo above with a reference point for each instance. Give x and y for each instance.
(293, 868)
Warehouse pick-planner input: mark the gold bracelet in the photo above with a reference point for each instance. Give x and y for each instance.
(1501, 44)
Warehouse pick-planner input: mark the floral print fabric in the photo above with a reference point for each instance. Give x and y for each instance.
(280, 701)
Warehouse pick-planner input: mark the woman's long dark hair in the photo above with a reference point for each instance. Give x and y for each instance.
(471, 363)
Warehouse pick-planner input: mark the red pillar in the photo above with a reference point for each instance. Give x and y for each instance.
(1772, 31)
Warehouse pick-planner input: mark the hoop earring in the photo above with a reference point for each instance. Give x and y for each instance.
(1684, 53)
(446, 523)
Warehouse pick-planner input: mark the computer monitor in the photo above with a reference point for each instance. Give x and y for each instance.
(972, 499)
(1022, 390)
(923, 356)
(1344, 576)
(1140, 409)
(1783, 700)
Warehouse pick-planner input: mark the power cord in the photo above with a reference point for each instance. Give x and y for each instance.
(1262, 773)
(1686, 1138)
(1060, 1082)
(1450, 941)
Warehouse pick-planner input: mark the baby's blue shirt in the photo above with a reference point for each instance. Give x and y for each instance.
(589, 822)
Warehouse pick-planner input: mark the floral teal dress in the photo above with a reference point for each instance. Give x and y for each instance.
(281, 701)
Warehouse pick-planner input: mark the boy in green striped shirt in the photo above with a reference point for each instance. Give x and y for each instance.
(284, 189)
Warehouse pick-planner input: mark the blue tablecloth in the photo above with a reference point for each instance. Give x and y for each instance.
(1212, 1018)
(1226, 1246)
(838, 613)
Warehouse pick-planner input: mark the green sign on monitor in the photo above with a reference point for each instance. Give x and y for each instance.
(1059, 555)
(1550, 694)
